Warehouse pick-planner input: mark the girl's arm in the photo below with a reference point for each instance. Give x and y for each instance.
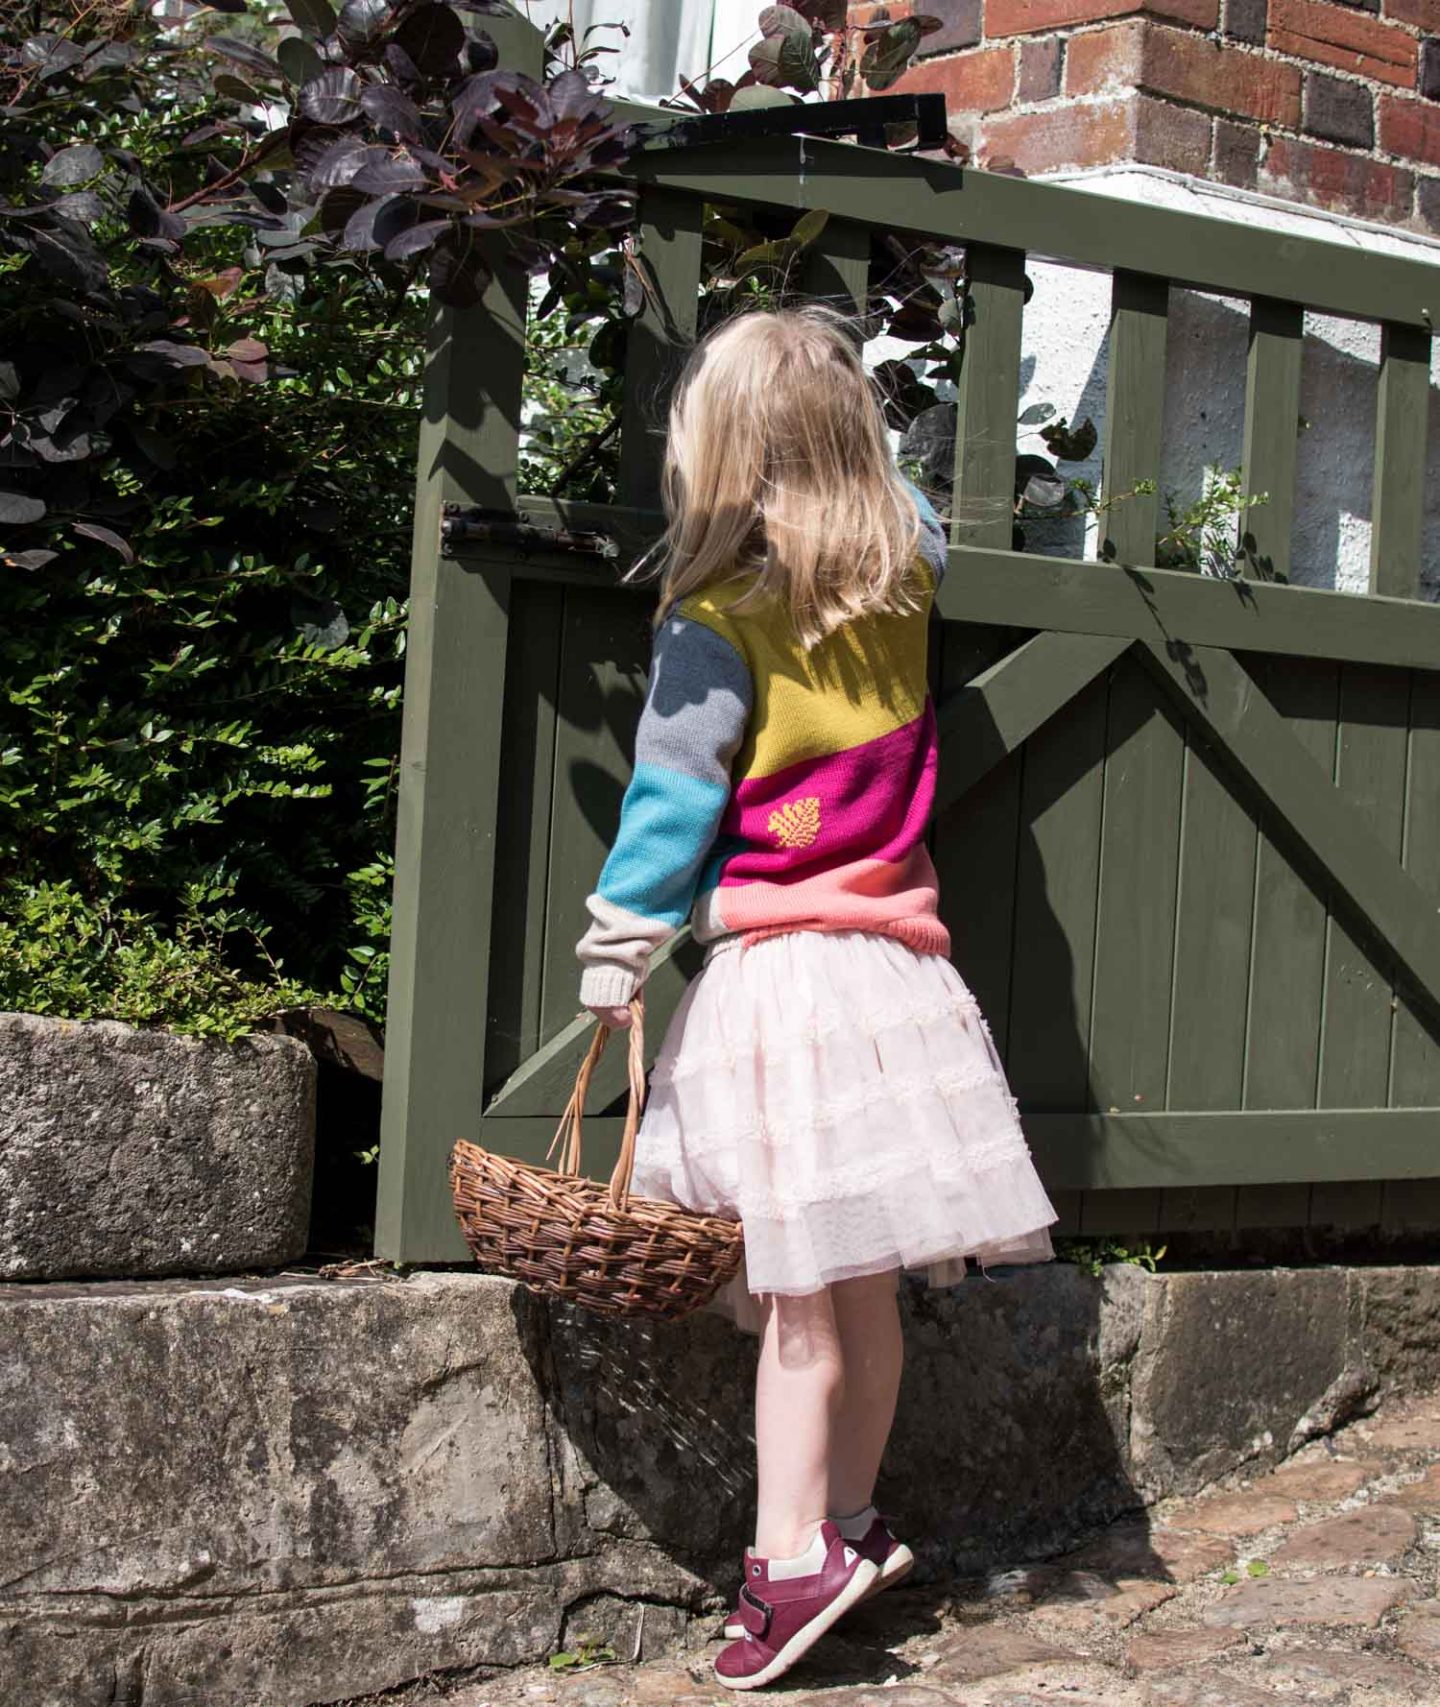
(933, 538)
(691, 726)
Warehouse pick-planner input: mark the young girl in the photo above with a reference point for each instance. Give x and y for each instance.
(828, 1078)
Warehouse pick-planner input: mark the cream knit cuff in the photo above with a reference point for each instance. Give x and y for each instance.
(607, 986)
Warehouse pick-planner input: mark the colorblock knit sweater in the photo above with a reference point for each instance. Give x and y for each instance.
(775, 788)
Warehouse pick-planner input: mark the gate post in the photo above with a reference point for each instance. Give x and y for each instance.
(450, 756)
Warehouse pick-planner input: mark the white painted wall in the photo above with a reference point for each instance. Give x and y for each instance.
(667, 38)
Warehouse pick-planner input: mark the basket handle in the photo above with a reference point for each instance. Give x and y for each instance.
(568, 1133)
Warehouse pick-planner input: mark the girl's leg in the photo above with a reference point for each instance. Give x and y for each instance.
(867, 1321)
(798, 1385)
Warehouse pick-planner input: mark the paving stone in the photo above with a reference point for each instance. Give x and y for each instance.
(1328, 1676)
(1420, 1638)
(1136, 1550)
(1115, 1606)
(1323, 1600)
(1416, 1429)
(990, 1650)
(1422, 1496)
(592, 1689)
(1374, 1535)
(1234, 1514)
(1167, 1649)
(1321, 1479)
(657, 1686)
(1194, 1691)
(897, 1695)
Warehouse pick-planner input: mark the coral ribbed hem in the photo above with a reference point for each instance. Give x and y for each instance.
(923, 934)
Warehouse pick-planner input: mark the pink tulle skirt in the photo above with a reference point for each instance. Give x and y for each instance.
(843, 1097)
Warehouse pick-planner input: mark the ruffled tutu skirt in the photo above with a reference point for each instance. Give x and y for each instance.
(842, 1096)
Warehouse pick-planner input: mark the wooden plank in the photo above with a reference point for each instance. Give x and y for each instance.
(1177, 1150)
(988, 385)
(1326, 831)
(1415, 1076)
(1029, 591)
(957, 204)
(1136, 1211)
(1213, 928)
(604, 660)
(527, 774)
(975, 847)
(1370, 775)
(1135, 927)
(1134, 411)
(449, 776)
(1005, 704)
(1287, 957)
(1057, 873)
(836, 269)
(660, 336)
(1402, 423)
(1100, 598)
(1272, 438)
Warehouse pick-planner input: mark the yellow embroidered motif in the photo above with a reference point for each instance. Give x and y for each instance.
(797, 823)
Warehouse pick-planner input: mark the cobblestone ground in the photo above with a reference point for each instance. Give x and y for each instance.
(1314, 1583)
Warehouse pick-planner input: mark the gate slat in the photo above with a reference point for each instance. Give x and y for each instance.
(1135, 929)
(1134, 413)
(1415, 1078)
(1213, 924)
(1287, 957)
(660, 336)
(1355, 1039)
(1272, 437)
(527, 779)
(983, 506)
(1402, 409)
(1057, 873)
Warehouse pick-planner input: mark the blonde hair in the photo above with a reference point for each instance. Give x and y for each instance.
(778, 465)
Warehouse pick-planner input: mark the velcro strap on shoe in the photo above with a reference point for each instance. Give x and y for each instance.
(755, 1614)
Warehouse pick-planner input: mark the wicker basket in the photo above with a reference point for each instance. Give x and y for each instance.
(590, 1244)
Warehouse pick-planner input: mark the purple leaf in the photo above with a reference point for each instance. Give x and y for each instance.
(362, 20)
(390, 110)
(338, 164)
(333, 97)
(243, 53)
(17, 508)
(106, 536)
(433, 36)
(415, 240)
(384, 174)
(74, 165)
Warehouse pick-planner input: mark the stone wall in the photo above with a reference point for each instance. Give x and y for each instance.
(1332, 103)
(285, 1493)
(137, 1152)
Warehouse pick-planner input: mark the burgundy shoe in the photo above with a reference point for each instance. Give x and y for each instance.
(893, 1560)
(786, 1618)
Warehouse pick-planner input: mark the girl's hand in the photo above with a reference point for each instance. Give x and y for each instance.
(618, 1019)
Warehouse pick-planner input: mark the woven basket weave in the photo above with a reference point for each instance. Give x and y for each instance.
(587, 1243)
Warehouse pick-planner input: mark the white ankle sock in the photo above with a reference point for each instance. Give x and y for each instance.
(855, 1528)
(804, 1564)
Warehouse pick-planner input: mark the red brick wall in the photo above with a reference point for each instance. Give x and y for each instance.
(1331, 102)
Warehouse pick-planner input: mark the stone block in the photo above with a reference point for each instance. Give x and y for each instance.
(130, 1152)
(1228, 1363)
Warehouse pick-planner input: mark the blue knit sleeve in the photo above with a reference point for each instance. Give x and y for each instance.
(933, 538)
(696, 707)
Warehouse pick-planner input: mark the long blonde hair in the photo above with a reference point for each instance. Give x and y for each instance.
(777, 467)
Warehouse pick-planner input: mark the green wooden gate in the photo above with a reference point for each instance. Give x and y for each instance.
(1188, 829)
